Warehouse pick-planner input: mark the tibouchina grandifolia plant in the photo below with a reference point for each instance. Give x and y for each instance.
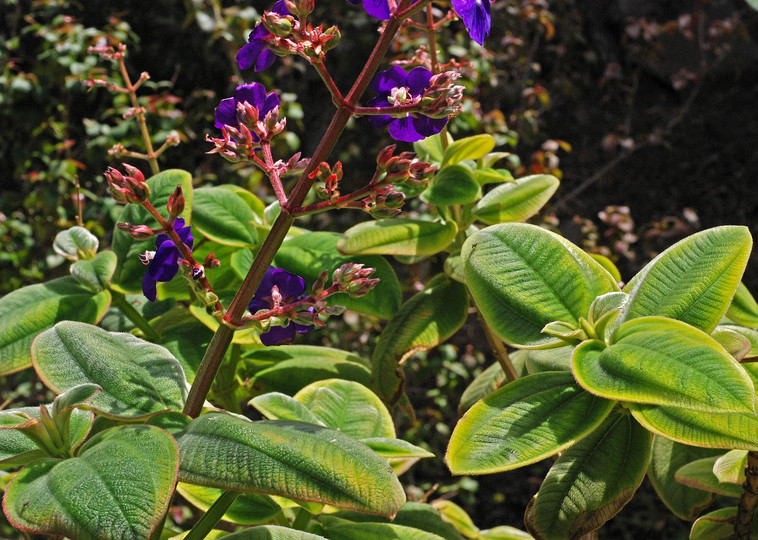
(156, 347)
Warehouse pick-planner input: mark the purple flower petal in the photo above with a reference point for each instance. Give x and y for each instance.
(426, 126)
(280, 8)
(226, 113)
(379, 9)
(253, 93)
(380, 120)
(289, 285)
(265, 59)
(250, 53)
(476, 17)
(271, 102)
(402, 129)
(418, 80)
(149, 287)
(385, 81)
(278, 335)
(165, 262)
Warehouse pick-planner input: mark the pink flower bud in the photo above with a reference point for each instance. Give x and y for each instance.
(175, 205)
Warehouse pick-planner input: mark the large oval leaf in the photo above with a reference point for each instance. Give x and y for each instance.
(423, 322)
(524, 422)
(296, 460)
(694, 280)
(138, 378)
(397, 236)
(223, 216)
(118, 488)
(454, 184)
(130, 270)
(474, 147)
(664, 362)
(718, 524)
(523, 277)
(698, 474)
(76, 243)
(30, 310)
(710, 430)
(309, 254)
(667, 457)
(591, 481)
(744, 309)
(349, 407)
(517, 201)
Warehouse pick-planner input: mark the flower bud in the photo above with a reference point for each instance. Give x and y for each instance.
(333, 310)
(332, 37)
(138, 232)
(299, 8)
(319, 284)
(211, 261)
(380, 212)
(175, 204)
(276, 24)
(361, 287)
(384, 156)
(394, 200)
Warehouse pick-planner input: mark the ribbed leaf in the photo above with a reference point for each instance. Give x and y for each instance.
(699, 474)
(118, 488)
(292, 459)
(591, 481)
(76, 243)
(474, 147)
(736, 344)
(349, 407)
(517, 201)
(523, 277)
(483, 384)
(710, 430)
(423, 322)
(523, 422)
(30, 310)
(664, 362)
(668, 457)
(223, 216)
(397, 236)
(138, 378)
(457, 516)
(247, 508)
(185, 338)
(454, 184)
(309, 254)
(557, 359)
(130, 270)
(395, 448)
(278, 406)
(694, 280)
(743, 309)
(748, 333)
(730, 467)
(95, 274)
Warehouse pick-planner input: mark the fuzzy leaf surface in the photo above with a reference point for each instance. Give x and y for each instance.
(516, 201)
(397, 236)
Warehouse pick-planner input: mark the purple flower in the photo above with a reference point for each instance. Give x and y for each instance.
(395, 87)
(164, 261)
(255, 51)
(476, 17)
(254, 94)
(291, 288)
(376, 8)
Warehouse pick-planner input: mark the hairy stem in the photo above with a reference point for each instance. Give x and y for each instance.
(132, 91)
(743, 524)
(131, 313)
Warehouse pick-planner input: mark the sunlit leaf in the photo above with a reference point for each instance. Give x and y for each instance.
(474, 147)
(699, 474)
(454, 184)
(397, 236)
(76, 243)
(516, 201)
(247, 508)
(223, 216)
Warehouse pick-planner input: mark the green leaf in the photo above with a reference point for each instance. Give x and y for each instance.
(753, 4)
(606, 263)
(454, 184)
(119, 487)
(397, 236)
(255, 204)
(748, 333)
(730, 467)
(349, 407)
(454, 268)
(698, 474)
(395, 448)
(744, 309)
(95, 274)
(664, 362)
(344, 530)
(297, 366)
(223, 216)
(292, 459)
(516, 201)
(423, 322)
(524, 422)
(76, 243)
(277, 406)
(710, 430)
(505, 532)
(457, 516)
(138, 378)
(558, 359)
(16, 449)
(272, 532)
(247, 508)
(474, 147)
(736, 344)
(591, 481)
(130, 270)
(492, 176)
(30, 310)
(311, 253)
(185, 338)
(668, 456)
(483, 384)
(431, 148)
(523, 277)
(716, 525)
(694, 280)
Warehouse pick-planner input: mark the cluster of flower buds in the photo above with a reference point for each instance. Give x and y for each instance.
(264, 128)
(443, 97)
(331, 177)
(127, 188)
(384, 202)
(353, 279)
(292, 36)
(403, 169)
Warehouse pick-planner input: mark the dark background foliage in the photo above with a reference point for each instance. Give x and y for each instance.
(646, 109)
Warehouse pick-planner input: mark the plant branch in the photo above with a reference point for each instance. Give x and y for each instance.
(743, 524)
(214, 514)
(129, 311)
(498, 349)
(132, 91)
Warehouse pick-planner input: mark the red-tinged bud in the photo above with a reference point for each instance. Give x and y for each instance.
(380, 212)
(277, 24)
(135, 173)
(319, 284)
(361, 287)
(303, 317)
(421, 171)
(274, 125)
(276, 296)
(333, 310)
(299, 8)
(138, 232)
(118, 194)
(211, 261)
(394, 200)
(384, 156)
(175, 204)
(332, 37)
